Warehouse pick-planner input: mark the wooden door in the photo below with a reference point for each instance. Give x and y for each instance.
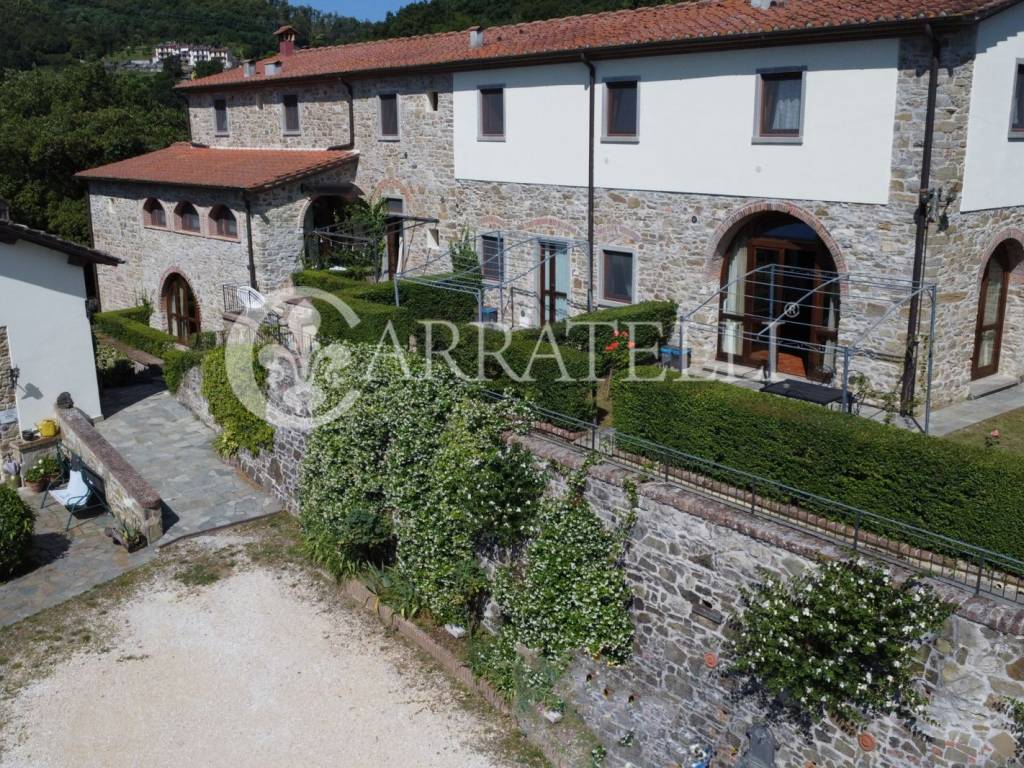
(988, 336)
(182, 309)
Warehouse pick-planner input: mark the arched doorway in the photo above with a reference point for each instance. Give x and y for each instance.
(778, 272)
(181, 308)
(324, 211)
(988, 333)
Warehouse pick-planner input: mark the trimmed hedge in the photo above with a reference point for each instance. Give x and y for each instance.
(426, 302)
(373, 320)
(329, 281)
(971, 494)
(124, 325)
(572, 398)
(140, 314)
(17, 520)
(664, 313)
(129, 326)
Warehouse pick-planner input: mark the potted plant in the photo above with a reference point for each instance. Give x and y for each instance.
(42, 473)
(128, 536)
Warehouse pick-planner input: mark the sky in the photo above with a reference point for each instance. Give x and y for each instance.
(375, 10)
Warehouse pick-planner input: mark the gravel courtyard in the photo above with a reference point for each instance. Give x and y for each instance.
(223, 652)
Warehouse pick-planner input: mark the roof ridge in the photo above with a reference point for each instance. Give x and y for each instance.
(678, 21)
(614, 12)
(357, 43)
(518, 24)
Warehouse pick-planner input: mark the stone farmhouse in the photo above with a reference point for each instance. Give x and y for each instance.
(736, 156)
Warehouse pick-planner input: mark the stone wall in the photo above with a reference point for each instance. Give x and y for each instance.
(130, 496)
(688, 559)
(151, 255)
(8, 395)
(256, 117)
(276, 469)
(678, 239)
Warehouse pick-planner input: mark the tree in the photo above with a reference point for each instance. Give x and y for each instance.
(207, 68)
(54, 123)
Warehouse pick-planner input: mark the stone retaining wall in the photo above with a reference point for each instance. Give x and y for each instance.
(688, 560)
(8, 399)
(130, 497)
(275, 470)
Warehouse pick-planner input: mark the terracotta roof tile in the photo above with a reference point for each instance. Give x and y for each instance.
(188, 165)
(687, 21)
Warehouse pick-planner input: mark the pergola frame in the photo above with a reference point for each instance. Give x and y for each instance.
(344, 238)
(901, 292)
(472, 281)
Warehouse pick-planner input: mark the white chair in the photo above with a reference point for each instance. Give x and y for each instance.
(75, 496)
(249, 298)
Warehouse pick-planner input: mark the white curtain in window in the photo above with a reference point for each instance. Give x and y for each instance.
(732, 330)
(786, 110)
(734, 278)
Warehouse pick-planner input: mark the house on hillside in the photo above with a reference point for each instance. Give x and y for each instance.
(45, 340)
(803, 178)
(192, 54)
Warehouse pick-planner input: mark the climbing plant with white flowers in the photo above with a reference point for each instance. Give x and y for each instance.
(840, 640)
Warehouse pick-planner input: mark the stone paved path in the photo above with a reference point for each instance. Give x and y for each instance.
(970, 412)
(64, 564)
(172, 450)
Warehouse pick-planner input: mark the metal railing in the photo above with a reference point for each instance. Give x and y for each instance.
(865, 533)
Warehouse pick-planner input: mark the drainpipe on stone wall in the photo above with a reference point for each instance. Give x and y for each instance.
(590, 186)
(351, 118)
(248, 239)
(921, 238)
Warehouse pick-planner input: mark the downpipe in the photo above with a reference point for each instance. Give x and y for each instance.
(921, 237)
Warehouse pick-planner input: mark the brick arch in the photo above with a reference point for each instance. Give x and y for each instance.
(552, 227)
(392, 187)
(1015, 238)
(307, 203)
(728, 229)
(618, 234)
(492, 222)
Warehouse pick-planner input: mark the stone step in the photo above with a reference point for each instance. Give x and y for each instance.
(990, 385)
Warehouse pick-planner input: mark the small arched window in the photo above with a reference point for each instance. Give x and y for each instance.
(154, 214)
(187, 217)
(224, 222)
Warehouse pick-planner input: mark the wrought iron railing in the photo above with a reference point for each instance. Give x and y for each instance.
(862, 532)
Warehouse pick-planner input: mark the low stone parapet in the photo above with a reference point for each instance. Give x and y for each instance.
(130, 496)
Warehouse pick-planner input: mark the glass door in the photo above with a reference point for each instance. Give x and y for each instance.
(763, 291)
(991, 311)
(394, 234)
(554, 282)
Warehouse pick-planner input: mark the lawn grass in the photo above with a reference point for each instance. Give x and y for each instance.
(1010, 426)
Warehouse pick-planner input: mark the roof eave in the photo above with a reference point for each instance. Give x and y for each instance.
(890, 28)
(328, 166)
(78, 255)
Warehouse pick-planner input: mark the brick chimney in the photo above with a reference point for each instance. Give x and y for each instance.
(286, 40)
